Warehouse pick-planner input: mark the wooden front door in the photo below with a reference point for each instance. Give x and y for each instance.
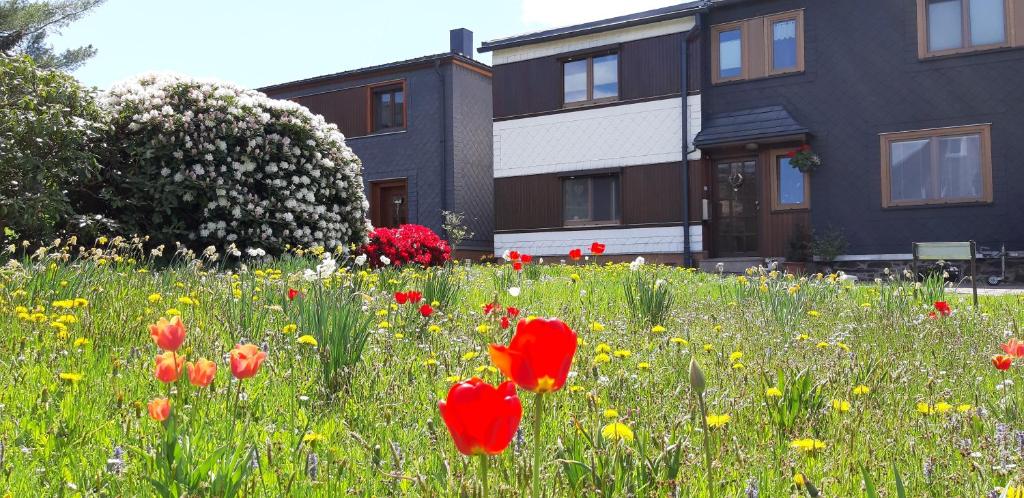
(736, 208)
(389, 203)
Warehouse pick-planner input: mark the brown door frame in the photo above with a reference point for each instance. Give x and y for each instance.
(729, 157)
(376, 187)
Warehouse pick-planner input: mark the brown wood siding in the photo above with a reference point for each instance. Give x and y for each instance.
(695, 64)
(528, 202)
(651, 67)
(776, 228)
(345, 108)
(652, 194)
(647, 68)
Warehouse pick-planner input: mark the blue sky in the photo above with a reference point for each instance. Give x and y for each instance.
(259, 42)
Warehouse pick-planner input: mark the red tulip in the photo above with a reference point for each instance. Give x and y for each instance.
(426, 310)
(575, 254)
(481, 418)
(943, 308)
(401, 297)
(1002, 362)
(168, 335)
(202, 372)
(517, 266)
(414, 296)
(597, 248)
(505, 323)
(246, 360)
(513, 255)
(512, 312)
(168, 366)
(1014, 348)
(292, 294)
(539, 356)
(159, 409)
(525, 258)
(491, 307)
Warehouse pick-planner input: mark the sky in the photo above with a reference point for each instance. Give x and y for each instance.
(255, 43)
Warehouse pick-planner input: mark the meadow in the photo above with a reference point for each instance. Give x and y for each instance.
(327, 384)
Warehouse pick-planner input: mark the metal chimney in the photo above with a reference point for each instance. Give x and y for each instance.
(462, 42)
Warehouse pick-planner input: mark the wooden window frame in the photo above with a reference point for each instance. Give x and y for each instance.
(371, 115)
(769, 43)
(376, 186)
(774, 177)
(716, 47)
(591, 222)
(589, 57)
(984, 131)
(965, 18)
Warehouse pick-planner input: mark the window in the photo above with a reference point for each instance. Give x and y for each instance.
(757, 48)
(956, 26)
(591, 79)
(791, 188)
(388, 107)
(590, 200)
(941, 166)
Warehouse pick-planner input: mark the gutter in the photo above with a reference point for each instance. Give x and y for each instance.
(443, 130)
(684, 92)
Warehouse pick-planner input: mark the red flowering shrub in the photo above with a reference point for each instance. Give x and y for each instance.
(406, 244)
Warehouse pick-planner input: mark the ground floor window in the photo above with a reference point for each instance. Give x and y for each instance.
(938, 166)
(590, 200)
(790, 186)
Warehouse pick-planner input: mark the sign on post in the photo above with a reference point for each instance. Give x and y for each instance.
(949, 251)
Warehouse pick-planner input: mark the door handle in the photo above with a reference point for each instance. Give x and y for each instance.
(757, 206)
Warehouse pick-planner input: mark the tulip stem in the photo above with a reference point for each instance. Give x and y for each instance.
(538, 412)
(483, 474)
(707, 444)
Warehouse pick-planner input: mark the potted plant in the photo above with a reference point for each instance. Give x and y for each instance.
(829, 245)
(804, 159)
(799, 252)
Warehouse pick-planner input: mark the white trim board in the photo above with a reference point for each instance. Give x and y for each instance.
(605, 137)
(646, 240)
(633, 33)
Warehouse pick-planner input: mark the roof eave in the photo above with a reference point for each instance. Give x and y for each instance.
(391, 66)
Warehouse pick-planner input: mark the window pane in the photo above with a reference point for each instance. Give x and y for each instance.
(791, 183)
(399, 100)
(606, 76)
(383, 111)
(730, 54)
(959, 167)
(784, 45)
(988, 22)
(575, 81)
(910, 175)
(604, 198)
(576, 199)
(945, 25)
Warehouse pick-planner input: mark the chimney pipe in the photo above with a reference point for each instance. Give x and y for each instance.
(462, 42)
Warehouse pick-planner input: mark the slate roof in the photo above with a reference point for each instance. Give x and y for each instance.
(381, 67)
(748, 125)
(649, 16)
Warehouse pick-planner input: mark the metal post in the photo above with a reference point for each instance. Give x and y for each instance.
(974, 272)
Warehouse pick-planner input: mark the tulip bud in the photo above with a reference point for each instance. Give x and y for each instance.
(697, 377)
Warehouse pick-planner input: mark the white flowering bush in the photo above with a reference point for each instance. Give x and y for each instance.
(206, 162)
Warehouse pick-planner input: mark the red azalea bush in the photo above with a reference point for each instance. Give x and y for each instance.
(406, 244)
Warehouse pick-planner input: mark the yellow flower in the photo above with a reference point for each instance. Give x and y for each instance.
(617, 431)
(384, 324)
(813, 314)
(735, 356)
(843, 346)
(429, 362)
(1012, 492)
(452, 378)
(822, 345)
(943, 407)
(964, 408)
(290, 328)
(861, 390)
(925, 408)
(603, 348)
(807, 445)
(773, 392)
(312, 437)
(738, 366)
(717, 421)
(433, 329)
(155, 298)
(188, 301)
(71, 377)
(840, 405)
(575, 389)
(382, 312)
(601, 358)
(307, 339)
(622, 353)
(483, 328)
(82, 341)
(803, 337)
(657, 329)
(489, 368)
(679, 340)
(399, 335)
(470, 355)
(596, 327)
(172, 312)
(708, 347)
(611, 413)
(643, 365)
(799, 479)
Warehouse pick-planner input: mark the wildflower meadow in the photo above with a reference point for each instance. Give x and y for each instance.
(131, 370)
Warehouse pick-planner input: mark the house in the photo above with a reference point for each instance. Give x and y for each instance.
(592, 125)
(912, 107)
(422, 129)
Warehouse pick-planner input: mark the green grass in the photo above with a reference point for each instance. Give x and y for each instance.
(373, 425)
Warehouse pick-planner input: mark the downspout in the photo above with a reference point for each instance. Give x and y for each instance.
(444, 143)
(684, 94)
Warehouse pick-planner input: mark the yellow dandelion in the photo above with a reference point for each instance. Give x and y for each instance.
(470, 355)
(773, 392)
(82, 341)
(657, 329)
(71, 377)
(643, 365)
(154, 298)
(718, 421)
(925, 408)
(384, 324)
(596, 327)
(617, 431)
(307, 339)
(807, 445)
(678, 340)
(964, 408)
(622, 353)
(312, 437)
(433, 329)
(735, 356)
(611, 413)
(173, 312)
(738, 366)
(603, 348)
(861, 390)
(943, 407)
(840, 405)
(291, 328)
(601, 358)
(813, 313)
(483, 328)
(188, 301)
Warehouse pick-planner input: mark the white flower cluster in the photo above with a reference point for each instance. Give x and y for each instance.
(223, 164)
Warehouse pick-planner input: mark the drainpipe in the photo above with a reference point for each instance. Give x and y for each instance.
(443, 130)
(684, 93)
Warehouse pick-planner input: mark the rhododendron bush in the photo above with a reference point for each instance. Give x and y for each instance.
(405, 244)
(205, 162)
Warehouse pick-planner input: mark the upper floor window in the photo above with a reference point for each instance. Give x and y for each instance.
(941, 166)
(590, 200)
(956, 26)
(590, 79)
(758, 47)
(388, 107)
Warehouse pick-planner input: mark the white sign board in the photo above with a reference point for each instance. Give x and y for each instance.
(943, 250)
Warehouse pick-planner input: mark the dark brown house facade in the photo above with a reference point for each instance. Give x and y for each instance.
(422, 129)
(684, 149)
